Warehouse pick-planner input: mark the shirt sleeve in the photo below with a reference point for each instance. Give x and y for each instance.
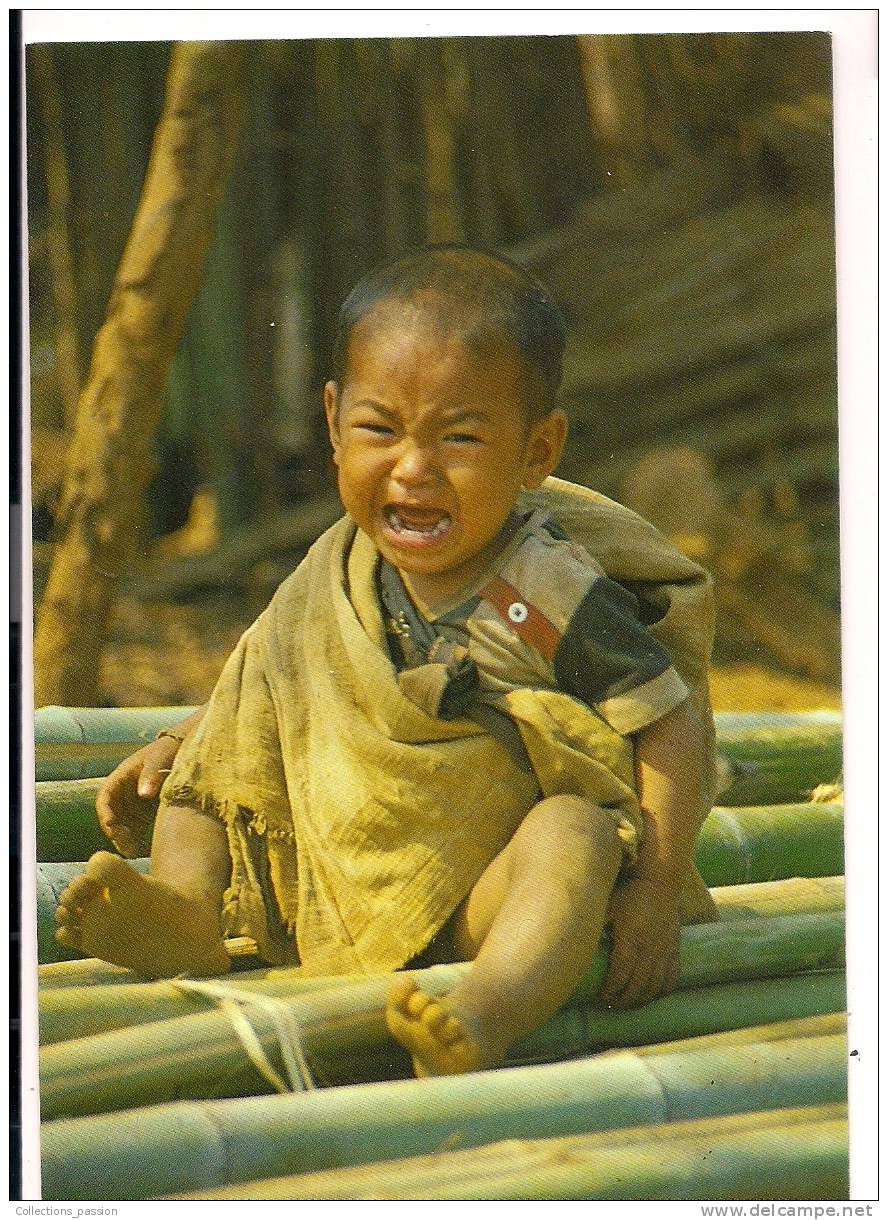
(607, 658)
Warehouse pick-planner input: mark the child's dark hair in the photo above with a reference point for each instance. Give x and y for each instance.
(472, 292)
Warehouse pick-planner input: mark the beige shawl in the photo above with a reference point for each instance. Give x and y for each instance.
(357, 822)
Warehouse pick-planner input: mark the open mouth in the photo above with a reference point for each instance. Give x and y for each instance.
(418, 524)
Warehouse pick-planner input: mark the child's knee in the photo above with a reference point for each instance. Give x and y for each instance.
(575, 826)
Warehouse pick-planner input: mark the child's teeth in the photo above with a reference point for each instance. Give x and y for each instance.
(414, 531)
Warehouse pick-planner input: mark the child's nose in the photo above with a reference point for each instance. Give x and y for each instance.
(415, 464)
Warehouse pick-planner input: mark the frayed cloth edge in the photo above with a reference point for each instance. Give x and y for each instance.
(226, 811)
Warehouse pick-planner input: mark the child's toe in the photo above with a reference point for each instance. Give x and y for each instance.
(399, 993)
(68, 936)
(434, 1018)
(67, 916)
(451, 1031)
(104, 869)
(78, 893)
(416, 1005)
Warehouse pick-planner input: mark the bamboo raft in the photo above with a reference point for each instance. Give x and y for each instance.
(271, 1085)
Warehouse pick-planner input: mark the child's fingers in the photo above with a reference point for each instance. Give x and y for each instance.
(640, 979)
(150, 783)
(129, 843)
(620, 970)
(634, 987)
(157, 760)
(638, 990)
(646, 984)
(114, 787)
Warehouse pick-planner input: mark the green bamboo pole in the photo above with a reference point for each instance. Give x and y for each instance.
(778, 757)
(685, 1014)
(774, 1031)
(798, 1153)
(79, 1012)
(67, 825)
(85, 742)
(767, 757)
(797, 895)
(347, 1021)
(711, 953)
(735, 846)
(186, 1146)
(771, 842)
(83, 972)
(88, 972)
(786, 897)
(567, 1035)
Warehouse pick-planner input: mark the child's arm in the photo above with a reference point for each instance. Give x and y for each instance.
(644, 909)
(126, 801)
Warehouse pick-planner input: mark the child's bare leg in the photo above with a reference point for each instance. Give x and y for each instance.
(532, 924)
(162, 925)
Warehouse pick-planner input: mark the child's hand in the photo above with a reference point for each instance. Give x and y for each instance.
(644, 958)
(127, 801)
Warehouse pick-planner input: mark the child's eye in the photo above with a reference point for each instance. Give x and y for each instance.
(464, 438)
(374, 429)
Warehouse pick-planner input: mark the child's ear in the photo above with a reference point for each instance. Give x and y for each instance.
(544, 447)
(331, 410)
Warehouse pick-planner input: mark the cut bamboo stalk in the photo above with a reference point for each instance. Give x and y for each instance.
(68, 1013)
(770, 842)
(394, 1065)
(67, 825)
(710, 953)
(138, 725)
(83, 972)
(684, 1014)
(85, 742)
(804, 1155)
(91, 971)
(795, 894)
(167, 1149)
(735, 846)
(201, 1054)
(775, 1031)
(781, 757)
(773, 758)
(95, 1010)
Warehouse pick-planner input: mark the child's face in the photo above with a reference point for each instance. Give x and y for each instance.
(433, 445)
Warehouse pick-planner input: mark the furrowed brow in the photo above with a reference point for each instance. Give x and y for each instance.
(372, 405)
(450, 418)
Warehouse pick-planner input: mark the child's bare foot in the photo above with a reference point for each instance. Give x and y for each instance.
(440, 1042)
(116, 914)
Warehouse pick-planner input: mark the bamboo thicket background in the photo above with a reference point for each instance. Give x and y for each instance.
(675, 192)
